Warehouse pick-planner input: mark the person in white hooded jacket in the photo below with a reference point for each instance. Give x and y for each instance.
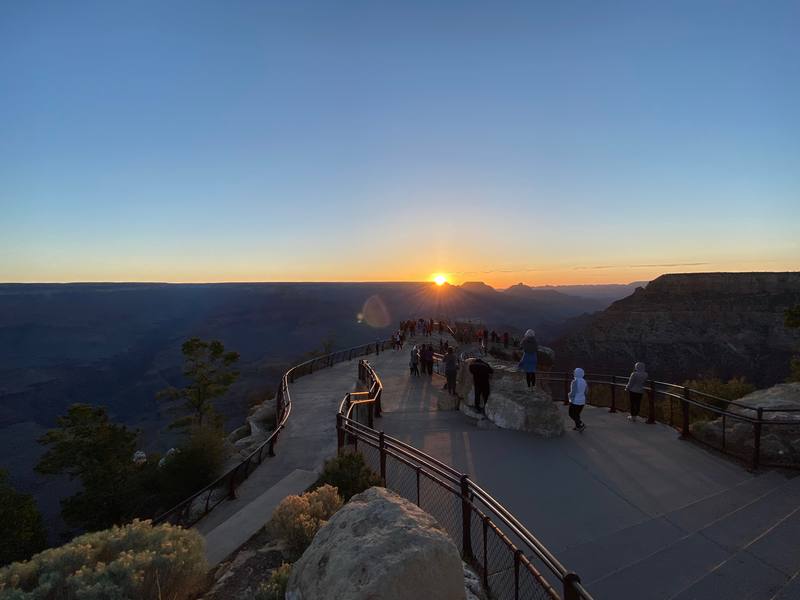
(577, 399)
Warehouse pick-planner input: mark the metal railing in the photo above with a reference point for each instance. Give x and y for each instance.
(511, 562)
(698, 416)
(189, 511)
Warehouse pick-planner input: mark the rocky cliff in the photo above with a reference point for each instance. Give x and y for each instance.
(684, 325)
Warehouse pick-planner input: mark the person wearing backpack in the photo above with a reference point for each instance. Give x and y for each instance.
(481, 373)
(577, 399)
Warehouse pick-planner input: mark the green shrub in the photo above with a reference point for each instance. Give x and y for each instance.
(298, 518)
(275, 587)
(199, 462)
(794, 369)
(348, 473)
(133, 561)
(733, 389)
(21, 530)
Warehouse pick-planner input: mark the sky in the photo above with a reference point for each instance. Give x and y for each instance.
(558, 142)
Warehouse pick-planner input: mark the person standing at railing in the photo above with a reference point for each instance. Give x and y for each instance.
(635, 389)
(413, 364)
(530, 353)
(577, 399)
(450, 361)
(505, 340)
(481, 376)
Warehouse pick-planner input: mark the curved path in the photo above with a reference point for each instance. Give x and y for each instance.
(631, 508)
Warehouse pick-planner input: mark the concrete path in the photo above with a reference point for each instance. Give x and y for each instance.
(240, 527)
(308, 440)
(612, 498)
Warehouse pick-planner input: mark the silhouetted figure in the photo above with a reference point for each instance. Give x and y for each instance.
(450, 370)
(635, 389)
(530, 352)
(577, 399)
(427, 359)
(505, 340)
(413, 364)
(481, 375)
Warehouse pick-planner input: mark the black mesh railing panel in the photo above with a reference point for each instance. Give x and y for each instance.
(443, 505)
(401, 478)
(500, 566)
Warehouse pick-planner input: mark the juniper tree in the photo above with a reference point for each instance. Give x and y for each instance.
(210, 372)
(86, 445)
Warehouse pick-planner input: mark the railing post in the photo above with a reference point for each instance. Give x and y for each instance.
(613, 408)
(370, 414)
(485, 553)
(517, 553)
(685, 433)
(570, 589)
(339, 432)
(757, 438)
(652, 417)
(378, 409)
(466, 520)
(382, 450)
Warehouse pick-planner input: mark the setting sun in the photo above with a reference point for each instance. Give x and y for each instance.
(439, 279)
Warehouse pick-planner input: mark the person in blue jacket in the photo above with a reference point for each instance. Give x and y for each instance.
(530, 351)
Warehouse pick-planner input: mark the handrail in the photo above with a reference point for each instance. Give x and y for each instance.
(182, 513)
(461, 485)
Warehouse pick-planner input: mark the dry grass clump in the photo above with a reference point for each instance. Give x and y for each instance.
(136, 560)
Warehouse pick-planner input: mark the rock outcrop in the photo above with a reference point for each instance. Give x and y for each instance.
(779, 443)
(379, 546)
(513, 406)
(681, 326)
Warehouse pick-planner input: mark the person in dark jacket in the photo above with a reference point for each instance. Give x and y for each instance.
(481, 374)
(427, 359)
(450, 370)
(635, 389)
(505, 340)
(530, 352)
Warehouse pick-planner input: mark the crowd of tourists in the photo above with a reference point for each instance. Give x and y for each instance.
(423, 357)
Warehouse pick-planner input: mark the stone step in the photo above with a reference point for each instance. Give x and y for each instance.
(698, 515)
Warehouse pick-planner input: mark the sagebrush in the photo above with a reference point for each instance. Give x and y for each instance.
(275, 587)
(136, 560)
(298, 518)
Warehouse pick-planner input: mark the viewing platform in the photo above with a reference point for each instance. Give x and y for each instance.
(637, 512)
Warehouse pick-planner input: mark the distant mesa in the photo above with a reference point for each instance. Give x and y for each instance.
(477, 287)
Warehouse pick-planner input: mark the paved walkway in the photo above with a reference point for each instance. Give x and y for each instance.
(604, 500)
(634, 510)
(308, 440)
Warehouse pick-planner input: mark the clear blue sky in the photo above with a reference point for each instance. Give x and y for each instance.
(538, 142)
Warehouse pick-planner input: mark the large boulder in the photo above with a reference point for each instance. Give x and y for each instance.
(513, 406)
(779, 443)
(382, 547)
